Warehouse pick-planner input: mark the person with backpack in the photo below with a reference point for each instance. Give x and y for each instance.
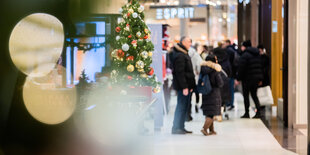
(211, 102)
(250, 73)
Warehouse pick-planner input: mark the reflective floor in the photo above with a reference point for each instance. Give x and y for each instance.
(291, 139)
(235, 136)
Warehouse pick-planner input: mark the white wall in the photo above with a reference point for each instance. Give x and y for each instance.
(302, 55)
(298, 53)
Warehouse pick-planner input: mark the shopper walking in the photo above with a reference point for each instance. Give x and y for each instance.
(265, 65)
(233, 59)
(196, 61)
(183, 82)
(251, 75)
(223, 60)
(211, 103)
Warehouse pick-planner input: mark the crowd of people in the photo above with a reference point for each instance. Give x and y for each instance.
(226, 66)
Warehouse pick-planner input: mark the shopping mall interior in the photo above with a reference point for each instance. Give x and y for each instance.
(94, 77)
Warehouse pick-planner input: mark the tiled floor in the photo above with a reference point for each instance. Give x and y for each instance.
(235, 136)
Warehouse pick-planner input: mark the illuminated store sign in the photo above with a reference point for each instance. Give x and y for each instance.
(170, 13)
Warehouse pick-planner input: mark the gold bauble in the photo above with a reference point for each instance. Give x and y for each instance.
(139, 64)
(141, 70)
(130, 68)
(144, 75)
(144, 54)
(156, 89)
(150, 54)
(130, 11)
(114, 53)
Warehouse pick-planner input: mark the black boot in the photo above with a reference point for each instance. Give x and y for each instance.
(246, 115)
(257, 115)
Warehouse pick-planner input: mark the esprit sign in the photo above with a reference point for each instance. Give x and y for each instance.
(169, 13)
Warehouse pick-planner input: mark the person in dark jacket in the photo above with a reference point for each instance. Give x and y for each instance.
(251, 74)
(265, 64)
(224, 61)
(233, 59)
(211, 103)
(183, 82)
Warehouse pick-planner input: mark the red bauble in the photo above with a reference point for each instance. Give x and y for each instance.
(128, 14)
(127, 25)
(129, 36)
(134, 42)
(120, 53)
(129, 77)
(151, 72)
(146, 36)
(117, 29)
(130, 58)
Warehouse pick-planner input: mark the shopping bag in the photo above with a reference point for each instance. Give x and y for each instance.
(264, 95)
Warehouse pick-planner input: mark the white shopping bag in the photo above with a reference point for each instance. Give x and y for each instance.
(264, 95)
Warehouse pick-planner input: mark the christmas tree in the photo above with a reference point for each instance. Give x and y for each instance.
(132, 54)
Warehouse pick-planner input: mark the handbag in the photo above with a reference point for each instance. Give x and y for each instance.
(204, 86)
(264, 95)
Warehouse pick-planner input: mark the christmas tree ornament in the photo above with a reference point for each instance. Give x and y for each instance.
(130, 58)
(120, 53)
(138, 34)
(127, 28)
(146, 31)
(139, 64)
(118, 38)
(125, 47)
(151, 72)
(130, 68)
(134, 15)
(141, 70)
(120, 20)
(144, 54)
(143, 75)
(114, 53)
(130, 11)
(150, 54)
(129, 36)
(128, 14)
(117, 29)
(156, 89)
(146, 37)
(134, 43)
(120, 59)
(141, 9)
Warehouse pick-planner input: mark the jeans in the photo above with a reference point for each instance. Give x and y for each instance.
(181, 111)
(232, 91)
(248, 87)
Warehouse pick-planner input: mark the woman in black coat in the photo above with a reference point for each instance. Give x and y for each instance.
(211, 103)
